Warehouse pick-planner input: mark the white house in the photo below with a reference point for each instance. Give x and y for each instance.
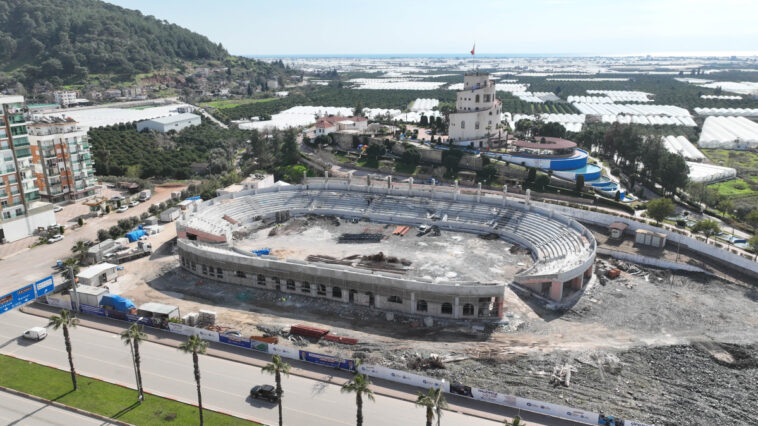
(171, 122)
(326, 125)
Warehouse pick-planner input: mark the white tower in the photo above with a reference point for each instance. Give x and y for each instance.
(477, 111)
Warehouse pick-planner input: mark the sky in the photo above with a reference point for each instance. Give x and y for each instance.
(566, 27)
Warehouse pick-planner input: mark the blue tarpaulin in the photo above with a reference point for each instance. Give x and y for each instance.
(262, 252)
(117, 302)
(135, 235)
(196, 197)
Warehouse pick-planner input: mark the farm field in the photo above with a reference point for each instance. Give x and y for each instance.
(232, 103)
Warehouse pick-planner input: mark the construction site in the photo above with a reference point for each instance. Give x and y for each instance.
(653, 345)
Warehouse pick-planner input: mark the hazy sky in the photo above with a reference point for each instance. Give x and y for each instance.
(283, 27)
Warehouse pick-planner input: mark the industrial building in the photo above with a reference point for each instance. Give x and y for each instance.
(561, 251)
(172, 122)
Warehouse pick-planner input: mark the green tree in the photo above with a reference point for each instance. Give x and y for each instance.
(531, 175)
(66, 320)
(374, 151)
(516, 422)
(660, 208)
(80, 249)
(411, 156)
(102, 235)
(359, 385)
(541, 182)
(707, 227)
(488, 173)
(277, 367)
(753, 242)
(195, 345)
(752, 219)
(726, 206)
(289, 153)
(133, 336)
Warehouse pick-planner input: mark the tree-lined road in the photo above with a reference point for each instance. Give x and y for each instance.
(225, 384)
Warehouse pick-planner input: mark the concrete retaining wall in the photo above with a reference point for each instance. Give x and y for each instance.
(650, 261)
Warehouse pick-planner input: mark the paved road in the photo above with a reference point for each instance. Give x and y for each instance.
(225, 384)
(16, 410)
(30, 265)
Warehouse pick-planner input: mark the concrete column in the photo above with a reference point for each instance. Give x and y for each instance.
(457, 308)
(588, 272)
(410, 185)
(326, 176)
(478, 192)
(455, 194)
(505, 194)
(305, 179)
(576, 283)
(528, 196)
(349, 179)
(556, 291)
(413, 303)
(368, 183)
(389, 183)
(433, 186)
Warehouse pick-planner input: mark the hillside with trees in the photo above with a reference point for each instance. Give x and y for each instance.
(68, 40)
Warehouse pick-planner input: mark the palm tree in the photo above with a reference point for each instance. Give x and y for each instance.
(277, 367)
(359, 385)
(439, 403)
(66, 320)
(427, 401)
(80, 249)
(132, 336)
(516, 422)
(196, 345)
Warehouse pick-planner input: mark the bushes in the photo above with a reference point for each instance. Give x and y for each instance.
(102, 235)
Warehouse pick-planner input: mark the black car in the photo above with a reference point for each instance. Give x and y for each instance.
(266, 392)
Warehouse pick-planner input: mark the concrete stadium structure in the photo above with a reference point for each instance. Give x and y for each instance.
(563, 250)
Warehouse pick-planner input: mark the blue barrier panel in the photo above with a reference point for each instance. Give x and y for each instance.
(92, 310)
(258, 346)
(328, 360)
(236, 341)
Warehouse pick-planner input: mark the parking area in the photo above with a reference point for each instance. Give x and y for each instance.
(21, 265)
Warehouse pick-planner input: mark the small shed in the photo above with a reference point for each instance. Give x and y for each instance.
(617, 229)
(98, 275)
(650, 238)
(158, 311)
(89, 295)
(97, 252)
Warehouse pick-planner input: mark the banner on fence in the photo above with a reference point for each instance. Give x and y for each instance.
(493, 397)
(138, 319)
(284, 351)
(236, 341)
(403, 377)
(557, 410)
(64, 303)
(259, 346)
(328, 360)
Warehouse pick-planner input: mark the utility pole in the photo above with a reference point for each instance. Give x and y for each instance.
(73, 287)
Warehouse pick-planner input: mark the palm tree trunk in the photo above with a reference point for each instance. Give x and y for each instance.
(197, 380)
(279, 392)
(139, 372)
(429, 415)
(359, 403)
(67, 339)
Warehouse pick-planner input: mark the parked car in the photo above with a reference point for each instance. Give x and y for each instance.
(35, 333)
(56, 209)
(122, 209)
(232, 333)
(134, 203)
(55, 238)
(266, 392)
(117, 198)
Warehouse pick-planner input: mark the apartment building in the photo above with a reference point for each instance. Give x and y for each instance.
(21, 210)
(62, 159)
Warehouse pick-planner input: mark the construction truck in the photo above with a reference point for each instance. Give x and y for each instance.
(143, 249)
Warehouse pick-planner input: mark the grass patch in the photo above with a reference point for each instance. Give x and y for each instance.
(367, 162)
(405, 168)
(733, 188)
(101, 397)
(746, 162)
(233, 103)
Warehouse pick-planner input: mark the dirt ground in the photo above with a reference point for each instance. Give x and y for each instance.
(652, 346)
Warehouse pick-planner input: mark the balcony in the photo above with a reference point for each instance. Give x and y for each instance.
(21, 141)
(23, 153)
(50, 153)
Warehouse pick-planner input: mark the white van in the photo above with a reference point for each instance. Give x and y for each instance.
(35, 333)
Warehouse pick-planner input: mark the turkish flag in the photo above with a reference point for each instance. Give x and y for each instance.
(473, 49)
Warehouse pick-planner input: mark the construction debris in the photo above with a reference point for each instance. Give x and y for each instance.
(562, 375)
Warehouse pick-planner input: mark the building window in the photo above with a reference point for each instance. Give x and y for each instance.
(219, 273)
(261, 279)
(476, 125)
(421, 306)
(476, 98)
(240, 274)
(193, 266)
(336, 292)
(290, 284)
(395, 299)
(305, 287)
(463, 124)
(486, 98)
(321, 290)
(205, 270)
(447, 309)
(468, 309)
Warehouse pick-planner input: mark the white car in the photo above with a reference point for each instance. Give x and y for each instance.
(55, 238)
(35, 333)
(134, 203)
(122, 209)
(57, 209)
